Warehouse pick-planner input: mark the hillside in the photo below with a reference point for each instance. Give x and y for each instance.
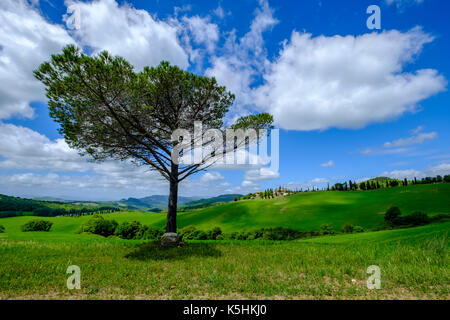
(303, 211)
(307, 211)
(11, 206)
(15, 206)
(331, 267)
(209, 201)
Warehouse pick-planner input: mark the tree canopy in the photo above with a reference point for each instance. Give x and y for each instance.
(109, 111)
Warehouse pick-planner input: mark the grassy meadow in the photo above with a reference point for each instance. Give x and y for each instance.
(414, 262)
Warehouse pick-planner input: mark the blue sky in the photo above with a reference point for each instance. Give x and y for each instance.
(350, 103)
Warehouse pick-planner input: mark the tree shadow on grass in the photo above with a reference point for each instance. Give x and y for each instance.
(154, 251)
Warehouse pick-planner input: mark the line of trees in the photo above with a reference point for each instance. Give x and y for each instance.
(13, 206)
(53, 212)
(373, 184)
(386, 183)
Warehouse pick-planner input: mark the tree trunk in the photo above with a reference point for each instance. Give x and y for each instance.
(173, 200)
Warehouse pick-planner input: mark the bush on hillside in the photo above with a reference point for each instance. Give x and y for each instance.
(99, 225)
(230, 236)
(191, 233)
(392, 215)
(358, 229)
(326, 229)
(37, 225)
(393, 218)
(347, 228)
(149, 233)
(440, 217)
(214, 233)
(2, 229)
(186, 232)
(128, 230)
(277, 233)
(414, 219)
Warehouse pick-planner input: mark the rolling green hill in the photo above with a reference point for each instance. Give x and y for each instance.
(414, 261)
(414, 264)
(303, 211)
(307, 211)
(201, 203)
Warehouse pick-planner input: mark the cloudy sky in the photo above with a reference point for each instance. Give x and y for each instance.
(350, 103)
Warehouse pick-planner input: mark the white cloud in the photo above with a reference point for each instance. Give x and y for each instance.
(64, 170)
(83, 187)
(416, 138)
(401, 174)
(328, 164)
(252, 177)
(52, 168)
(211, 177)
(23, 148)
(401, 4)
(134, 34)
(260, 174)
(441, 169)
(316, 182)
(203, 32)
(402, 145)
(220, 13)
(26, 40)
(244, 59)
(346, 82)
(377, 151)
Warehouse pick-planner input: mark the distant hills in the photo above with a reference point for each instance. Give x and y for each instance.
(159, 202)
(209, 201)
(53, 199)
(152, 203)
(155, 203)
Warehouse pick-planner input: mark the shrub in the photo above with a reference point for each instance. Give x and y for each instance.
(415, 219)
(186, 233)
(149, 233)
(2, 229)
(214, 233)
(358, 229)
(199, 235)
(277, 233)
(326, 229)
(99, 225)
(190, 233)
(347, 228)
(440, 217)
(280, 233)
(128, 230)
(37, 225)
(242, 235)
(392, 215)
(230, 236)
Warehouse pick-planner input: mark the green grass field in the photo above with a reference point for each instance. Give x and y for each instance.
(414, 262)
